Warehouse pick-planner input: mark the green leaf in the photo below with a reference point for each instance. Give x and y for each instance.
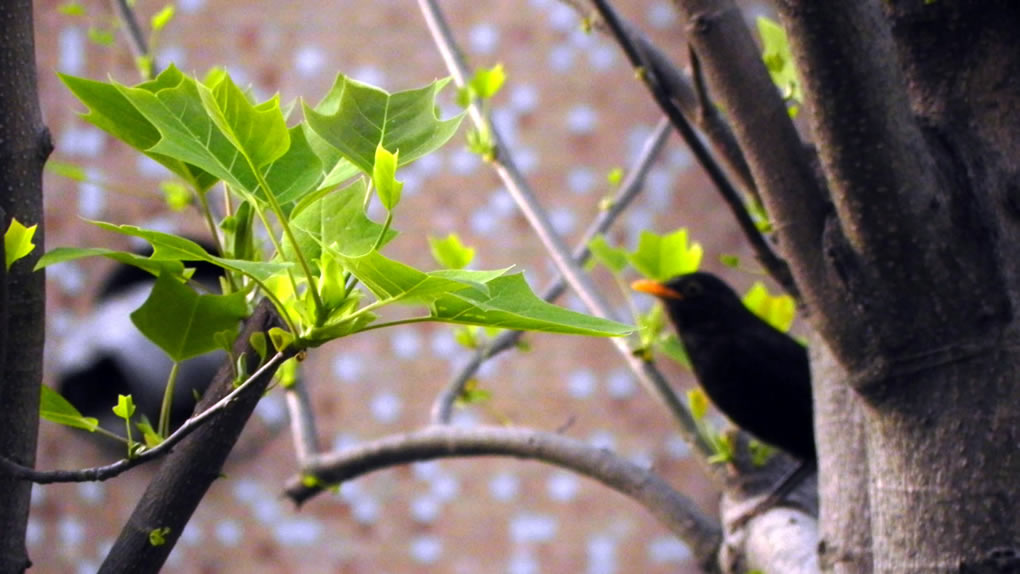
(57, 409)
(356, 118)
(668, 344)
(473, 394)
(337, 221)
(154, 266)
(698, 403)
(162, 18)
(776, 310)
(18, 241)
(167, 246)
(73, 8)
(112, 112)
(258, 342)
(280, 338)
(125, 408)
(71, 171)
(392, 281)
(662, 257)
(450, 252)
(100, 36)
(258, 131)
(729, 260)
(157, 536)
(298, 172)
(177, 196)
(182, 322)
(510, 304)
(384, 177)
(615, 176)
(614, 258)
(487, 82)
(779, 60)
(149, 434)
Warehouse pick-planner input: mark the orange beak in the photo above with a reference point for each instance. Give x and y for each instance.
(655, 288)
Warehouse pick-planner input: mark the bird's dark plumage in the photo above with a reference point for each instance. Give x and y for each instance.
(755, 374)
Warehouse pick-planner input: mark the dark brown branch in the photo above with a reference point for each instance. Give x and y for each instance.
(672, 509)
(190, 469)
(776, 267)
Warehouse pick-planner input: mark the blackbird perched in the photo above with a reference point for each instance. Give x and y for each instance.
(755, 374)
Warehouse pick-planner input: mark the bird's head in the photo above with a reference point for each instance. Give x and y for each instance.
(696, 300)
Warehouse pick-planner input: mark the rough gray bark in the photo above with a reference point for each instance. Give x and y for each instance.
(24, 147)
(905, 254)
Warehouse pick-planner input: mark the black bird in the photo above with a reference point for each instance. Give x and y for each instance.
(755, 374)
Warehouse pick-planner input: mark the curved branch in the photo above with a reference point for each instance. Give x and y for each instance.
(675, 511)
(632, 185)
(776, 267)
(109, 471)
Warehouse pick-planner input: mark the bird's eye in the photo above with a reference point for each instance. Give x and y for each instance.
(693, 289)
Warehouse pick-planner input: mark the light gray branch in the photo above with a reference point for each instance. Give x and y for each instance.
(675, 511)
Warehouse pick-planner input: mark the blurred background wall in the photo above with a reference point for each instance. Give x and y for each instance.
(571, 111)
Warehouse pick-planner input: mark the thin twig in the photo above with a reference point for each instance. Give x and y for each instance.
(109, 471)
(775, 265)
(135, 36)
(517, 186)
(631, 186)
(302, 422)
(670, 507)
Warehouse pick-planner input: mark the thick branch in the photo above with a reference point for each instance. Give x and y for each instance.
(781, 167)
(671, 508)
(879, 172)
(186, 474)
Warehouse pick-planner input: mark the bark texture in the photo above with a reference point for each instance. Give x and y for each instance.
(24, 147)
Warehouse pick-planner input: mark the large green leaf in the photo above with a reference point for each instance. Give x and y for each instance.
(187, 132)
(356, 118)
(110, 111)
(336, 221)
(298, 172)
(393, 281)
(510, 304)
(166, 246)
(57, 409)
(258, 131)
(185, 324)
(154, 266)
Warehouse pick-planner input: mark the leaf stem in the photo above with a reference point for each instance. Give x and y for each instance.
(168, 400)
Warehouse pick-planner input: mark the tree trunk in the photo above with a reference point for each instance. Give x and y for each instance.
(24, 147)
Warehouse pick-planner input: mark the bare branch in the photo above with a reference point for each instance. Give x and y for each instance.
(109, 471)
(582, 285)
(776, 267)
(135, 36)
(672, 509)
(629, 189)
(302, 422)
